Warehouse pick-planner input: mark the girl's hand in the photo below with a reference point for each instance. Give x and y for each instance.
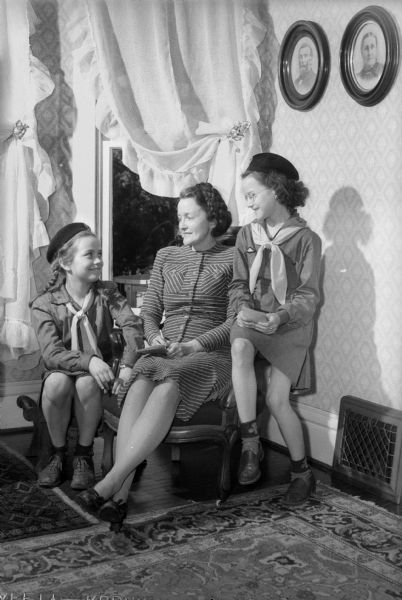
(249, 318)
(271, 325)
(123, 378)
(178, 349)
(101, 372)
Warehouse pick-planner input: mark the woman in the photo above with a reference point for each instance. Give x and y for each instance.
(189, 288)
(275, 294)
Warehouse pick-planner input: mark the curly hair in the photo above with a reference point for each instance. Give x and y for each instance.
(211, 201)
(289, 193)
(65, 255)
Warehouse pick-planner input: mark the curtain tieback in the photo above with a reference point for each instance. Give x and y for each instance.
(277, 262)
(81, 316)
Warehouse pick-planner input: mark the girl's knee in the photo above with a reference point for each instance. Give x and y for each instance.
(87, 388)
(58, 388)
(242, 351)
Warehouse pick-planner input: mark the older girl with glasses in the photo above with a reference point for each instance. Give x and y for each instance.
(275, 293)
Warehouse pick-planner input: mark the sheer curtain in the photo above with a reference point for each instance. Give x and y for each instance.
(25, 177)
(175, 80)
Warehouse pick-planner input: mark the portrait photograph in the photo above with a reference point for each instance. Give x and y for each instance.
(304, 65)
(369, 55)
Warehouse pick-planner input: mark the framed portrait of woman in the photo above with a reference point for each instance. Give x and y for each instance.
(304, 65)
(370, 55)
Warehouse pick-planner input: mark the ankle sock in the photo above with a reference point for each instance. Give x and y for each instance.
(85, 451)
(248, 429)
(249, 436)
(59, 451)
(299, 466)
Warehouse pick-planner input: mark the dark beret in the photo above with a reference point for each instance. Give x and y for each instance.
(62, 236)
(267, 161)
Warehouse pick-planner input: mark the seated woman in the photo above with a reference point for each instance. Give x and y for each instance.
(189, 287)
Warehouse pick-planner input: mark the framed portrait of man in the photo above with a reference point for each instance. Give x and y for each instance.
(370, 55)
(304, 63)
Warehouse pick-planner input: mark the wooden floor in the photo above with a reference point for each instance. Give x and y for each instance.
(156, 489)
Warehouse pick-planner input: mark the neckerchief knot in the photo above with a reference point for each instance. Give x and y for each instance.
(279, 278)
(80, 315)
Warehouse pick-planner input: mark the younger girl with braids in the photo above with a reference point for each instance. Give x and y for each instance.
(73, 320)
(189, 289)
(275, 293)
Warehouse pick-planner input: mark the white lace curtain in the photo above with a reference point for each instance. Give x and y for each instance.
(175, 79)
(25, 177)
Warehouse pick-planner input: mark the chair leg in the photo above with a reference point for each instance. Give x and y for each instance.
(108, 440)
(225, 479)
(41, 445)
(175, 458)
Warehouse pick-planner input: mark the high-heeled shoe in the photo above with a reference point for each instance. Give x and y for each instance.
(114, 512)
(90, 500)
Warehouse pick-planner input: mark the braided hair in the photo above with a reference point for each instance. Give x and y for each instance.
(211, 201)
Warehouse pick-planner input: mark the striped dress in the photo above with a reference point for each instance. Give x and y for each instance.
(190, 289)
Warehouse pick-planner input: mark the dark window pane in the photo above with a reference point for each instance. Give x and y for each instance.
(142, 223)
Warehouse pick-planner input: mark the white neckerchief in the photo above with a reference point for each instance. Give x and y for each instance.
(80, 315)
(278, 269)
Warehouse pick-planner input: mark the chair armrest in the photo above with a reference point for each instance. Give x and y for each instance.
(228, 401)
(117, 341)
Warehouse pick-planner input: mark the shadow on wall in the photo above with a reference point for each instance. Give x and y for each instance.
(346, 356)
(56, 119)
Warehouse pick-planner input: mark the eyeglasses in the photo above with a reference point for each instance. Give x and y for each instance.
(251, 196)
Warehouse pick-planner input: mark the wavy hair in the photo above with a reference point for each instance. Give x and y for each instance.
(211, 201)
(289, 193)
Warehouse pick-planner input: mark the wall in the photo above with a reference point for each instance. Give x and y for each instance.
(349, 156)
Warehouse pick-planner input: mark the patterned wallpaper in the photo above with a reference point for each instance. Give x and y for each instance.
(350, 156)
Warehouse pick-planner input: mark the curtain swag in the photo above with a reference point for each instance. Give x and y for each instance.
(175, 81)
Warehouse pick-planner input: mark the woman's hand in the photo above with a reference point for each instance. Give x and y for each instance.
(179, 349)
(159, 340)
(101, 372)
(124, 376)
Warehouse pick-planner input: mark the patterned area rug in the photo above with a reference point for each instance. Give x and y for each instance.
(26, 510)
(336, 547)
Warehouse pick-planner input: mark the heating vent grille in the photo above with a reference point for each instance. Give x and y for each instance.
(368, 446)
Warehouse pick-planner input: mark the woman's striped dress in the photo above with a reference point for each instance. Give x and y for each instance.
(190, 289)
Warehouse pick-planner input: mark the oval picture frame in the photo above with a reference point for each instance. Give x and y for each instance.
(304, 64)
(369, 57)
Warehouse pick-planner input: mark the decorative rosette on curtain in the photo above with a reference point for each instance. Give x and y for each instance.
(26, 178)
(175, 81)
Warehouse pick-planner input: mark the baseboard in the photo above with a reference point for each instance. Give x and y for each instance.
(11, 416)
(319, 427)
